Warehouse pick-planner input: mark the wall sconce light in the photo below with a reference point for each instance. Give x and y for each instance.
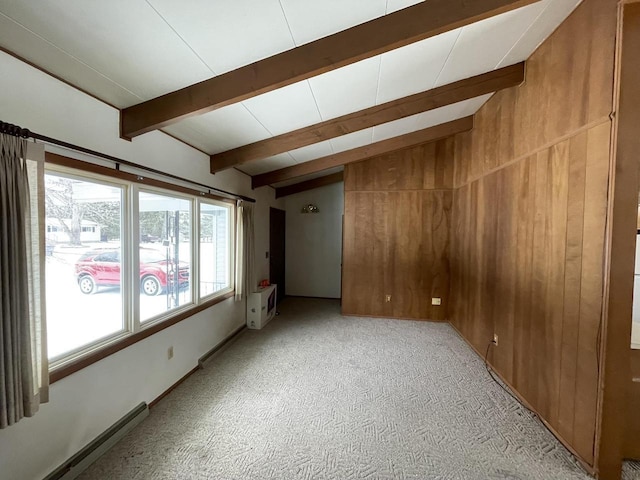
(311, 208)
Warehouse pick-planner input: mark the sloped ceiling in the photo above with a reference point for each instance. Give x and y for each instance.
(128, 51)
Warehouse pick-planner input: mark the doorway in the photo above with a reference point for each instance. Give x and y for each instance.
(277, 224)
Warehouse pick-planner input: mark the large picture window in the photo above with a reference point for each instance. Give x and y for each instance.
(83, 241)
(122, 258)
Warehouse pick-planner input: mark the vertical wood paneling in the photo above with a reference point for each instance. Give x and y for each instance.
(533, 275)
(573, 284)
(596, 184)
(411, 228)
(425, 167)
(530, 211)
(365, 227)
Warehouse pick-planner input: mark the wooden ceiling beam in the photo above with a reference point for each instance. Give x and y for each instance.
(350, 156)
(412, 24)
(310, 184)
(370, 117)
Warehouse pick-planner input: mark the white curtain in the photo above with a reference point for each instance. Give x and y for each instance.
(245, 250)
(24, 370)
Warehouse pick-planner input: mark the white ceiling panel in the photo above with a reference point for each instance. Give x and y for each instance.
(395, 5)
(311, 176)
(124, 40)
(429, 119)
(481, 46)
(347, 89)
(352, 140)
(35, 49)
(554, 14)
(228, 35)
(285, 109)
(451, 112)
(414, 68)
(268, 164)
(220, 130)
(395, 128)
(311, 152)
(311, 19)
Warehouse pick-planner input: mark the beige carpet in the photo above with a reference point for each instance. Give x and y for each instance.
(319, 396)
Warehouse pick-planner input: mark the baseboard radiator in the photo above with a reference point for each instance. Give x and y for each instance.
(92, 452)
(221, 347)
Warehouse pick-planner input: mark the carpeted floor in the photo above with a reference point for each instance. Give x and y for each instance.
(319, 396)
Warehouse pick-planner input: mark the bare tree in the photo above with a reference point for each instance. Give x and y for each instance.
(60, 205)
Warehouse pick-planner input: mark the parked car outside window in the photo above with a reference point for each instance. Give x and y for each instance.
(98, 268)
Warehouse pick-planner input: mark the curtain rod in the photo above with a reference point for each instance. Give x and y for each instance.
(17, 131)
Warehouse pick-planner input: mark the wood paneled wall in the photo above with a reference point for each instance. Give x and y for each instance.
(529, 222)
(396, 233)
(632, 440)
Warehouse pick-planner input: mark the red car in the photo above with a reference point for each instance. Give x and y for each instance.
(102, 268)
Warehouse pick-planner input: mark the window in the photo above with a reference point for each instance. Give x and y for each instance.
(165, 268)
(121, 258)
(79, 267)
(215, 245)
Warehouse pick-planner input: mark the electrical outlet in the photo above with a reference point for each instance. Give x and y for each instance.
(436, 301)
(495, 339)
(387, 298)
(170, 352)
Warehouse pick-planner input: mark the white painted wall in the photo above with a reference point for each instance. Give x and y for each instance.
(314, 243)
(86, 403)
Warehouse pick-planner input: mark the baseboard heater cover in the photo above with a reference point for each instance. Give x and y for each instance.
(220, 347)
(101, 445)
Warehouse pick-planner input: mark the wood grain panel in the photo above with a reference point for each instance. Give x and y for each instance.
(426, 167)
(364, 252)
(387, 207)
(530, 210)
(572, 286)
(632, 440)
(533, 275)
(621, 247)
(587, 375)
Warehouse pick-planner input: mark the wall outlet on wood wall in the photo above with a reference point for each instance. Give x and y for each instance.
(436, 301)
(495, 339)
(387, 298)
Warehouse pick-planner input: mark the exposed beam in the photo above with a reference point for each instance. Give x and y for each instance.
(369, 117)
(350, 156)
(310, 184)
(423, 20)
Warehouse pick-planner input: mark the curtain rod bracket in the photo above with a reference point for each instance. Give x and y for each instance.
(118, 166)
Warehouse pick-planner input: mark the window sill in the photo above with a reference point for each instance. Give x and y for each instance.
(79, 363)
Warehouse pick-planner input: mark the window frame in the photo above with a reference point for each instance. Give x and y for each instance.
(133, 330)
(231, 237)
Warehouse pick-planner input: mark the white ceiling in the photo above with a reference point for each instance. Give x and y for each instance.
(127, 51)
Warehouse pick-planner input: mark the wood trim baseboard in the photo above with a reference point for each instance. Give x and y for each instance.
(393, 318)
(156, 400)
(588, 467)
